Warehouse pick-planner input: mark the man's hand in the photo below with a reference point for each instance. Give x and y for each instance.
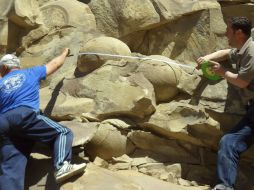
(57, 62)
(66, 51)
(69, 53)
(216, 56)
(217, 68)
(199, 61)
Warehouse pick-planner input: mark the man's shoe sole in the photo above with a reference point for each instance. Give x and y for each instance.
(70, 174)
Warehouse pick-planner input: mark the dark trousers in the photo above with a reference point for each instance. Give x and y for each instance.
(19, 129)
(231, 146)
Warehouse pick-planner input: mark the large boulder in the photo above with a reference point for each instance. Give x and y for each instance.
(168, 77)
(82, 132)
(108, 142)
(63, 106)
(106, 45)
(116, 90)
(67, 13)
(164, 77)
(185, 122)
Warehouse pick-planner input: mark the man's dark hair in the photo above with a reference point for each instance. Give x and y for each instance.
(242, 23)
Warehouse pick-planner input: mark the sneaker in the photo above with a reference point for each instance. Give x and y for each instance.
(222, 187)
(68, 170)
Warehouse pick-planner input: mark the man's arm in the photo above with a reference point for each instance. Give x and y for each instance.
(232, 78)
(220, 55)
(57, 62)
(235, 79)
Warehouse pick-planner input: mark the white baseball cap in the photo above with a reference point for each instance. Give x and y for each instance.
(10, 60)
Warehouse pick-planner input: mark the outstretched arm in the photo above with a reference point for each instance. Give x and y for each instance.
(57, 62)
(220, 55)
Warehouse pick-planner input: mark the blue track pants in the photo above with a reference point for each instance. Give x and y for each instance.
(19, 129)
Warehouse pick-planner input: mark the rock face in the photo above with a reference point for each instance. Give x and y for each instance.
(148, 118)
(79, 15)
(119, 180)
(185, 122)
(119, 18)
(179, 34)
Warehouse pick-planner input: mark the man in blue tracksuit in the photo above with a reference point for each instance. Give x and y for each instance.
(21, 123)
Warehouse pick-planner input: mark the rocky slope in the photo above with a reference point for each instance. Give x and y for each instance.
(143, 122)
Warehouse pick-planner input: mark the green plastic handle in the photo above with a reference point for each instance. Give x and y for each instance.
(207, 71)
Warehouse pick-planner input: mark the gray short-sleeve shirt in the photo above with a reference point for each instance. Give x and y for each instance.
(244, 60)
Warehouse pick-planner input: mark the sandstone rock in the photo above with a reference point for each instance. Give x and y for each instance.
(108, 45)
(218, 96)
(185, 122)
(63, 107)
(170, 10)
(100, 162)
(26, 13)
(129, 16)
(238, 2)
(42, 2)
(169, 150)
(123, 159)
(31, 61)
(16, 18)
(33, 36)
(6, 6)
(128, 180)
(44, 177)
(183, 182)
(102, 85)
(175, 141)
(162, 172)
(164, 77)
(120, 124)
(239, 8)
(49, 39)
(49, 45)
(120, 17)
(194, 173)
(107, 143)
(83, 132)
(184, 83)
(125, 162)
(3, 36)
(67, 12)
(186, 37)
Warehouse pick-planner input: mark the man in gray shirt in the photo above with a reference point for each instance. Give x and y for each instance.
(235, 141)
